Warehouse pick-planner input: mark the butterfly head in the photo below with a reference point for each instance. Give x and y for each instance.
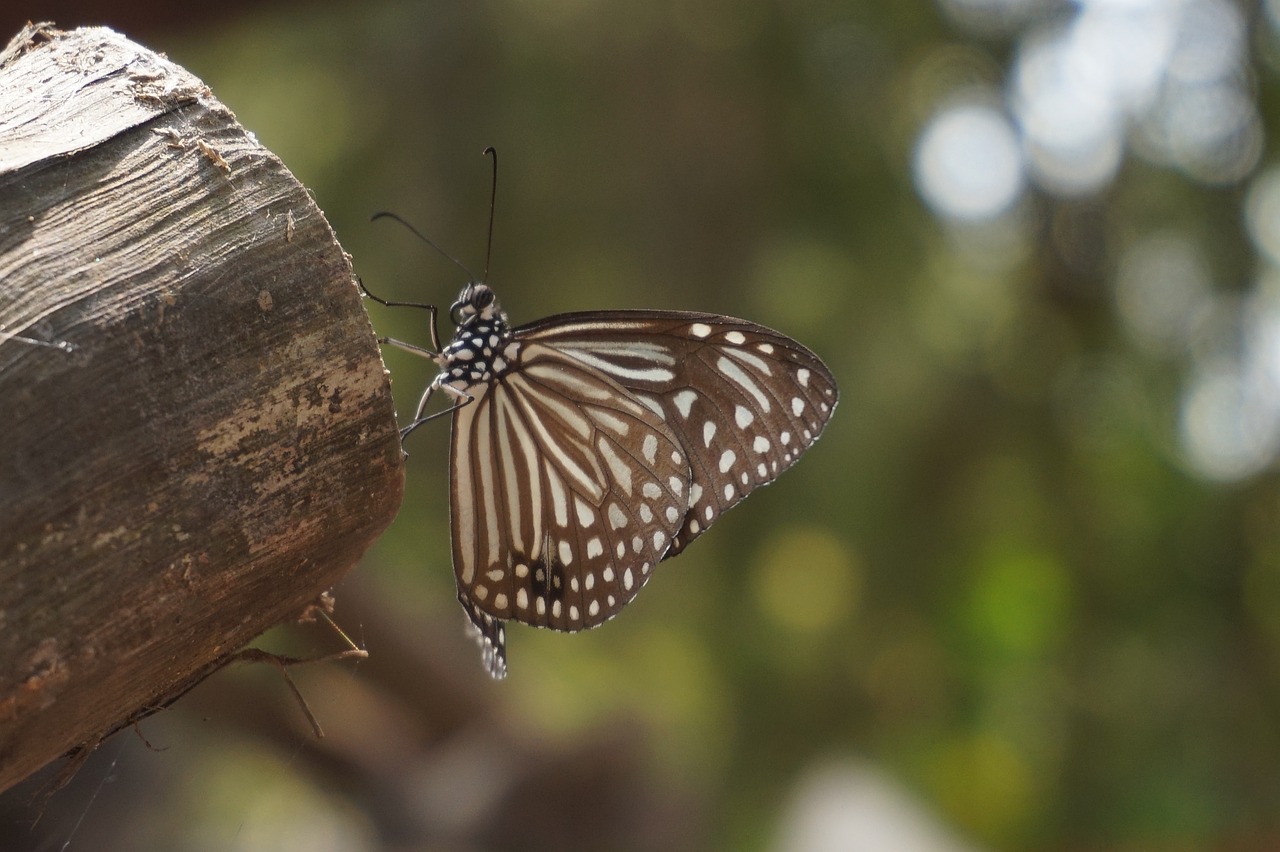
(475, 302)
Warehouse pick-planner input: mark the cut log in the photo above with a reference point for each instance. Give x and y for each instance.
(197, 435)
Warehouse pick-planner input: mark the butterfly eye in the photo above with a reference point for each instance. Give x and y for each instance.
(482, 297)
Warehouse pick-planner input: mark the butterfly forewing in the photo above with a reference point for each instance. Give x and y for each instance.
(742, 400)
(566, 491)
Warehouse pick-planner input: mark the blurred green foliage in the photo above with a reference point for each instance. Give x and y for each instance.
(992, 576)
(996, 578)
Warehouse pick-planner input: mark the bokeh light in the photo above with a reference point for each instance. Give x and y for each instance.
(855, 808)
(1066, 106)
(806, 580)
(967, 163)
(1172, 71)
(1228, 428)
(1262, 214)
(1163, 292)
(1230, 423)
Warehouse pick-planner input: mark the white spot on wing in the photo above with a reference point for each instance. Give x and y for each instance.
(586, 516)
(736, 338)
(614, 423)
(700, 329)
(621, 472)
(708, 432)
(684, 401)
(559, 500)
(739, 376)
(752, 359)
(727, 458)
(652, 404)
(743, 416)
(651, 374)
(650, 448)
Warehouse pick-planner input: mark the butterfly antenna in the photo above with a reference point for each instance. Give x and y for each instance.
(493, 198)
(388, 215)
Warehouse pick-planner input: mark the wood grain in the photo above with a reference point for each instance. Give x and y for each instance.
(219, 444)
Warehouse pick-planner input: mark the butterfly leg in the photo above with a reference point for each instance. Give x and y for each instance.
(435, 333)
(411, 347)
(460, 397)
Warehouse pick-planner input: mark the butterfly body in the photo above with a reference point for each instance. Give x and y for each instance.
(589, 447)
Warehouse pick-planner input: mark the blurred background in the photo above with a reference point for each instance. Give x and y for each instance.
(1024, 594)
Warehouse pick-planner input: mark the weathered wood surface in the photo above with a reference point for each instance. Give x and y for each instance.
(218, 446)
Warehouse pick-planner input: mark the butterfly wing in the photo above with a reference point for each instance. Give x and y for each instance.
(565, 492)
(742, 400)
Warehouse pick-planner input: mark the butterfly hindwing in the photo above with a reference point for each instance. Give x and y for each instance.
(566, 491)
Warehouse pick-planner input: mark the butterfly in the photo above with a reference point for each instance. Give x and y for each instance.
(588, 447)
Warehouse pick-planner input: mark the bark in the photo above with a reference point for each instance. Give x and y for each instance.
(197, 434)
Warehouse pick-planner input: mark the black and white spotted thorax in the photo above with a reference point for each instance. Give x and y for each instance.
(483, 347)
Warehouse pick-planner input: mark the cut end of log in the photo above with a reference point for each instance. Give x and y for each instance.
(199, 431)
